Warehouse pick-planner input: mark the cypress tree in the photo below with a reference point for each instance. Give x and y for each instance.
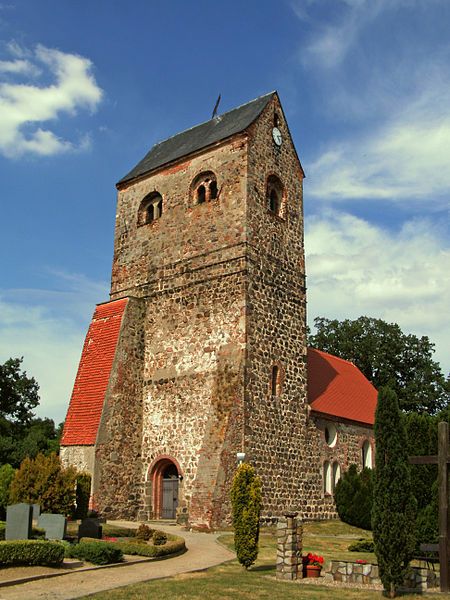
(246, 507)
(394, 503)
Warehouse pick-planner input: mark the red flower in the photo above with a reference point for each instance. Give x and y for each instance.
(360, 561)
(312, 559)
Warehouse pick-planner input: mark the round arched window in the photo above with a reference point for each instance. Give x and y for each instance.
(330, 435)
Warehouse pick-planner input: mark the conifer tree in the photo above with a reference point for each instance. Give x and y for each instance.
(246, 506)
(394, 505)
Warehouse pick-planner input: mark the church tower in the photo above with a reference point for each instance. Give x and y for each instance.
(209, 353)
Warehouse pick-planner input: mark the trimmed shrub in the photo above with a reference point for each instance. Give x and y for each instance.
(246, 506)
(31, 552)
(6, 476)
(394, 504)
(170, 547)
(141, 548)
(2, 530)
(82, 495)
(144, 532)
(354, 497)
(97, 553)
(44, 481)
(159, 538)
(362, 545)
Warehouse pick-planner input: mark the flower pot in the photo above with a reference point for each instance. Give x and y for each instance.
(313, 570)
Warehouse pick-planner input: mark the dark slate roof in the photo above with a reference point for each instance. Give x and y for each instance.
(200, 136)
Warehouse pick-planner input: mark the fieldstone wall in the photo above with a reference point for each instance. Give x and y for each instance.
(289, 547)
(418, 579)
(117, 482)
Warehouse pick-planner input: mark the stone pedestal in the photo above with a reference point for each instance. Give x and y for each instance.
(289, 547)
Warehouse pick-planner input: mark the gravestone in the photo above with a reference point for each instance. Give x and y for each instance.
(90, 528)
(18, 522)
(54, 525)
(36, 511)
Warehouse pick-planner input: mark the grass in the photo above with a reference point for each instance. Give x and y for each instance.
(230, 581)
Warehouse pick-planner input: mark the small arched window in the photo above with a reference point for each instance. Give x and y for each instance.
(204, 188)
(366, 452)
(327, 478)
(275, 196)
(275, 380)
(336, 474)
(150, 209)
(330, 434)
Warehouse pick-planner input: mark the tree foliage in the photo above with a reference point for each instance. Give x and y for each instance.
(44, 481)
(6, 477)
(354, 497)
(394, 506)
(18, 392)
(387, 356)
(21, 433)
(246, 507)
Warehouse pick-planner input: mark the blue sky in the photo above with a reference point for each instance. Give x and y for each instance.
(86, 88)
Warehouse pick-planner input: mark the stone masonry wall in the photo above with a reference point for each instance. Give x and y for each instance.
(275, 426)
(117, 485)
(190, 267)
(81, 457)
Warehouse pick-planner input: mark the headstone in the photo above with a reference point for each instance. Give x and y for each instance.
(90, 528)
(36, 511)
(18, 521)
(54, 525)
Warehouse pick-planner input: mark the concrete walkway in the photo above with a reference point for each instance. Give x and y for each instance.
(203, 551)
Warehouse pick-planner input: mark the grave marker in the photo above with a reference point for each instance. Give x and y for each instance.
(18, 521)
(54, 525)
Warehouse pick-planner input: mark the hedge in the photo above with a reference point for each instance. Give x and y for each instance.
(102, 553)
(138, 548)
(31, 552)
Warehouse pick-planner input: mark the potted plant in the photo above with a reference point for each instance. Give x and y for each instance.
(312, 565)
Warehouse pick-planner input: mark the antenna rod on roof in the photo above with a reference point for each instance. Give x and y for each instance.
(216, 106)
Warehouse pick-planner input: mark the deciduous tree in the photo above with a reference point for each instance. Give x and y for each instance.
(387, 356)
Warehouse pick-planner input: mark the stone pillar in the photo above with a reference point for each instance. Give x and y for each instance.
(289, 547)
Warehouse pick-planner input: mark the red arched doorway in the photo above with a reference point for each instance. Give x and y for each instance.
(165, 477)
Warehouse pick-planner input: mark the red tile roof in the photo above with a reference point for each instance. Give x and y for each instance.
(86, 403)
(337, 388)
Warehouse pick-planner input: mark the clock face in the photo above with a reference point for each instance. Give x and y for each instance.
(276, 134)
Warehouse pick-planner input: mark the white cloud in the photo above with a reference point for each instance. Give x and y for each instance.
(47, 328)
(400, 155)
(355, 268)
(25, 107)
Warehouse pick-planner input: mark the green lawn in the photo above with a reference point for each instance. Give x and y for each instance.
(230, 580)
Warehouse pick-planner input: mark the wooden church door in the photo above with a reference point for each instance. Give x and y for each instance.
(170, 493)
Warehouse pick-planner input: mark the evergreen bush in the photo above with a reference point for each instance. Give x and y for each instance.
(394, 503)
(354, 497)
(31, 552)
(6, 476)
(44, 481)
(82, 495)
(97, 553)
(159, 538)
(363, 545)
(246, 507)
(144, 532)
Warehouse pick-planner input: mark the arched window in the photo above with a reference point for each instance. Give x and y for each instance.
(330, 434)
(204, 188)
(366, 451)
(326, 477)
(150, 209)
(275, 382)
(275, 196)
(336, 474)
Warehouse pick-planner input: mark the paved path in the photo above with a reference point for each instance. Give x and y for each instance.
(203, 551)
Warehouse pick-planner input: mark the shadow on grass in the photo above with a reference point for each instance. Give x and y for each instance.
(263, 568)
